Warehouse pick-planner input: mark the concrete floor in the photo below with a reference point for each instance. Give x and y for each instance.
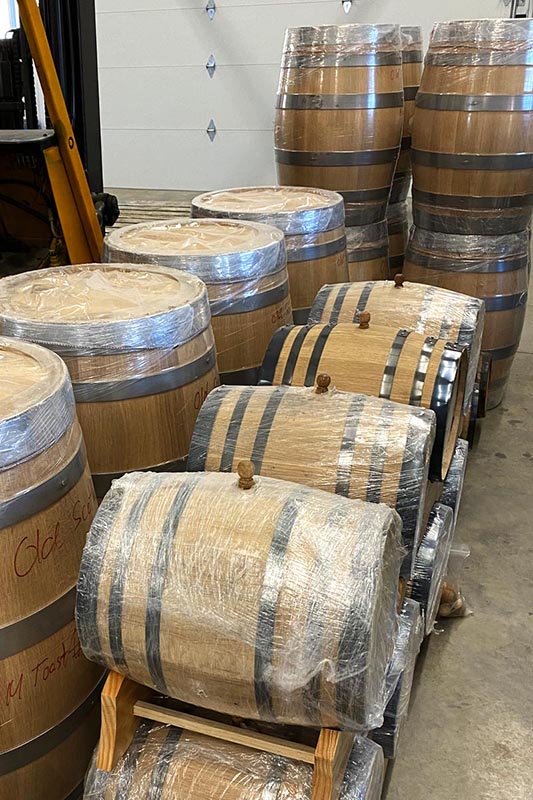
(469, 735)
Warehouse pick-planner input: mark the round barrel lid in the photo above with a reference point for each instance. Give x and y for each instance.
(292, 209)
(216, 250)
(104, 307)
(36, 400)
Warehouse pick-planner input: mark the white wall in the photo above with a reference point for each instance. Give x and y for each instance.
(157, 97)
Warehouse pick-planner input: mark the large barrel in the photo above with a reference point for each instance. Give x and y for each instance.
(139, 347)
(424, 309)
(412, 60)
(312, 221)
(398, 233)
(356, 446)
(47, 503)
(367, 247)
(339, 113)
(386, 362)
(472, 146)
(431, 563)
(493, 268)
(166, 763)
(269, 601)
(244, 267)
(400, 676)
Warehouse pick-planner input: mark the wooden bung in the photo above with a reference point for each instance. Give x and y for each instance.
(312, 221)
(244, 266)
(138, 344)
(246, 472)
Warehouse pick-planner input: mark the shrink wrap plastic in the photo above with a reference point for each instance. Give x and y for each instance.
(275, 602)
(452, 489)
(425, 309)
(498, 42)
(466, 253)
(431, 563)
(169, 763)
(410, 35)
(36, 405)
(366, 242)
(400, 676)
(357, 446)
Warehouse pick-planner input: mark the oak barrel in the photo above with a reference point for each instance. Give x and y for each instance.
(165, 763)
(47, 503)
(386, 362)
(339, 113)
(431, 563)
(266, 600)
(356, 446)
(312, 221)
(425, 309)
(412, 62)
(452, 489)
(244, 267)
(493, 268)
(367, 248)
(398, 234)
(400, 676)
(138, 344)
(472, 138)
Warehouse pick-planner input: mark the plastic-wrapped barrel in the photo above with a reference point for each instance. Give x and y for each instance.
(398, 233)
(472, 146)
(266, 600)
(431, 563)
(367, 248)
(452, 489)
(47, 503)
(356, 446)
(493, 268)
(400, 676)
(164, 762)
(138, 343)
(244, 267)
(386, 362)
(339, 113)
(425, 309)
(412, 61)
(312, 221)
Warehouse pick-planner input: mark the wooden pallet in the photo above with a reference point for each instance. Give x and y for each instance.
(125, 702)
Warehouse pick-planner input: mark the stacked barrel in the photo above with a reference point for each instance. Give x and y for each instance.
(339, 127)
(472, 153)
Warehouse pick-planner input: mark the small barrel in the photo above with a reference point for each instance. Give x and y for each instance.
(412, 62)
(424, 309)
(385, 362)
(138, 343)
(244, 267)
(339, 113)
(190, 765)
(472, 145)
(400, 676)
(367, 248)
(493, 268)
(312, 221)
(47, 503)
(452, 489)
(356, 446)
(398, 233)
(263, 599)
(431, 563)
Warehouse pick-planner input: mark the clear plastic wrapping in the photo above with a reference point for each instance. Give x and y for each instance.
(366, 242)
(411, 36)
(36, 403)
(356, 446)
(503, 42)
(275, 602)
(104, 309)
(452, 488)
(341, 38)
(294, 210)
(469, 253)
(168, 763)
(425, 309)
(453, 602)
(400, 676)
(431, 563)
